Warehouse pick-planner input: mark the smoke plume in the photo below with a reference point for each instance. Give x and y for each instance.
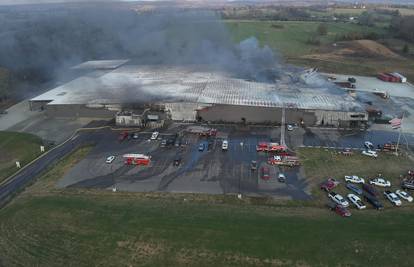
(40, 42)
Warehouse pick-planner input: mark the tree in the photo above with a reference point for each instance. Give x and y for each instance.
(406, 49)
(322, 29)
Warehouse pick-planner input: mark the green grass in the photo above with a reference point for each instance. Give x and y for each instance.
(116, 231)
(14, 147)
(291, 40)
(52, 227)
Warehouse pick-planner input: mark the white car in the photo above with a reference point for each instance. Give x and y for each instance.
(354, 179)
(154, 135)
(380, 182)
(404, 195)
(110, 159)
(370, 153)
(338, 199)
(368, 145)
(356, 201)
(289, 127)
(393, 198)
(225, 145)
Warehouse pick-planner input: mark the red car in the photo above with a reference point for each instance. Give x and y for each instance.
(340, 210)
(329, 184)
(122, 136)
(265, 173)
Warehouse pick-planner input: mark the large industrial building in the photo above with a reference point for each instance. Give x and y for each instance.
(192, 93)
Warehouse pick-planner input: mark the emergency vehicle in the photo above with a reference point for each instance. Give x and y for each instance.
(270, 147)
(136, 159)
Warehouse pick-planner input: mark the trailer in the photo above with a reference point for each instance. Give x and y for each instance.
(284, 161)
(137, 159)
(392, 77)
(202, 131)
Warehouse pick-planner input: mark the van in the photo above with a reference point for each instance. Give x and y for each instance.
(225, 145)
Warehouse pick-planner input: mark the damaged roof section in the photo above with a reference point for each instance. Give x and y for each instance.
(146, 84)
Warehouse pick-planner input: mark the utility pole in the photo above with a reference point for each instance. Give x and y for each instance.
(282, 129)
(399, 135)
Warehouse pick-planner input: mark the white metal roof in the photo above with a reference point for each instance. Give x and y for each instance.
(129, 84)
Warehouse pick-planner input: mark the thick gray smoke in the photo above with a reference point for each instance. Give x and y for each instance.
(42, 41)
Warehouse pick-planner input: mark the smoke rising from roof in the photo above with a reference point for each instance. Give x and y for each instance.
(48, 40)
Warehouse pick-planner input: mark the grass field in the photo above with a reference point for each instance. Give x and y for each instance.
(53, 227)
(14, 147)
(291, 40)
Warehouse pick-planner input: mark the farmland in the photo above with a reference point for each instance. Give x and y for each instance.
(291, 40)
(46, 226)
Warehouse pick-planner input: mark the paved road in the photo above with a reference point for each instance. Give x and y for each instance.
(31, 172)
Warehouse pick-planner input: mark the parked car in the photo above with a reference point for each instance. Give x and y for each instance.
(265, 173)
(370, 153)
(339, 209)
(135, 136)
(369, 145)
(354, 188)
(110, 159)
(346, 152)
(356, 200)
(354, 179)
(337, 198)
(370, 189)
(392, 197)
(281, 177)
(225, 145)
(407, 184)
(170, 141)
(177, 161)
(290, 127)
(201, 147)
(177, 142)
(253, 165)
(329, 184)
(373, 201)
(404, 195)
(380, 182)
(154, 135)
(163, 142)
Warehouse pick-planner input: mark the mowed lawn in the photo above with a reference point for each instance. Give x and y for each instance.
(290, 37)
(14, 147)
(54, 227)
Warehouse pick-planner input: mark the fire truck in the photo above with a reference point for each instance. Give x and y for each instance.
(136, 159)
(284, 161)
(270, 147)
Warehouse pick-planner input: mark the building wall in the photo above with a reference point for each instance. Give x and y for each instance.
(230, 113)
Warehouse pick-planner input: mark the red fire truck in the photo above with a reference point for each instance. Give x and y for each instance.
(137, 159)
(270, 147)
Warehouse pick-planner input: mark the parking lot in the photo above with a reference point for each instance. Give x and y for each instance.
(211, 171)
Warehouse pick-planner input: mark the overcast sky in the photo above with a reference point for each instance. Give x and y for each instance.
(19, 2)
